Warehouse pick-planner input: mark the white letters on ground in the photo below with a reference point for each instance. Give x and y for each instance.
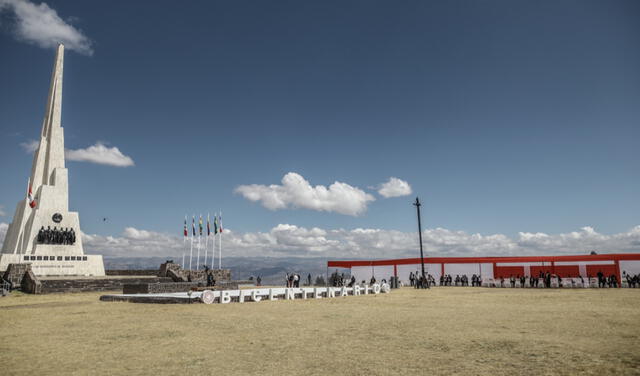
(257, 295)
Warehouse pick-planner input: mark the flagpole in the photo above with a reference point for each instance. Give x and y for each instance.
(213, 245)
(191, 252)
(184, 244)
(193, 229)
(198, 259)
(199, 236)
(206, 242)
(220, 243)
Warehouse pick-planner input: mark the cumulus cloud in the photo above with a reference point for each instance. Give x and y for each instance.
(394, 188)
(40, 25)
(100, 154)
(133, 242)
(287, 240)
(296, 192)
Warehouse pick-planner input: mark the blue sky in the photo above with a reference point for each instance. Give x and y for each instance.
(503, 116)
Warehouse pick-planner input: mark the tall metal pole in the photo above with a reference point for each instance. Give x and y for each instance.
(417, 204)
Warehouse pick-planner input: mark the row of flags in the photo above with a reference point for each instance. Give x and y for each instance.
(217, 225)
(217, 229)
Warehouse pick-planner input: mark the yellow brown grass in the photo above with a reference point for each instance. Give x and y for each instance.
(449, 331)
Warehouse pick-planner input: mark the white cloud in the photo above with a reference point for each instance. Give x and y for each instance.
(394, 188)
(286, 240)
(133, 242)
(30, 146)
(296, 192)
(2, 212)
(41, 25)
(100, 154)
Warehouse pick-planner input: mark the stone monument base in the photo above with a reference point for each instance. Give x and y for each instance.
(82, 265)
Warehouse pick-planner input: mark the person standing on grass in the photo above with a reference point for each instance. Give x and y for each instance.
(600, 279)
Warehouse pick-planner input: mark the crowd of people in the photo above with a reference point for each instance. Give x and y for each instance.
(604, 281)
(448, 280)
(421, 281)
(338, 280)
(417, 280)
(56, 236)
(293, 279)
(633, 281)
(547, 278)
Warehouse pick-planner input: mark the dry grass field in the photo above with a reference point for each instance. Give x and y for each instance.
(444, 331)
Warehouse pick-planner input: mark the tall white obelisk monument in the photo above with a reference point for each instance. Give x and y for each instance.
(44, 232)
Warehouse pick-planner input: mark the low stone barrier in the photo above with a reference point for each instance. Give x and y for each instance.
(96, 284)
(158, 288)
(162, 288)
(149, 272)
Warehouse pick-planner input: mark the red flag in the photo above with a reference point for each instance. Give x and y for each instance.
(32, 202)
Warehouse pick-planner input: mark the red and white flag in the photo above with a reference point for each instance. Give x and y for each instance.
(32, 202)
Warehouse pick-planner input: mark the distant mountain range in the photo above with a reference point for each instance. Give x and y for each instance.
(272, 270)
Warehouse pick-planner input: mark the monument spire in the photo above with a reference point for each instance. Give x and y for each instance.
(50, 152)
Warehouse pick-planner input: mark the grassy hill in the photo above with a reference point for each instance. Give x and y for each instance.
(442, 331)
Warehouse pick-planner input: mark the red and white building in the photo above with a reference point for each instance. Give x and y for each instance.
(495, 267)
